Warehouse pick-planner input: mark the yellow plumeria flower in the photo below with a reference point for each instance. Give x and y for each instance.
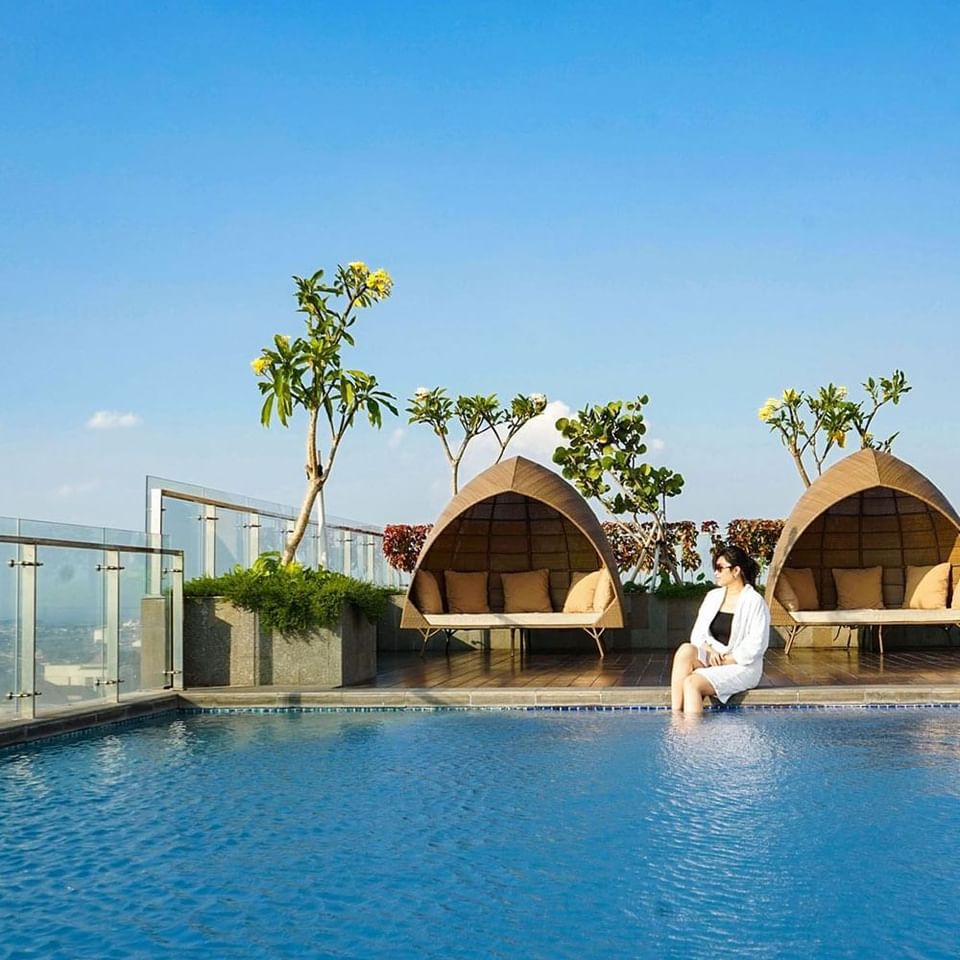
(259, 365)
(768, 409)
(357, 266)
(790, 396)
(380, 283)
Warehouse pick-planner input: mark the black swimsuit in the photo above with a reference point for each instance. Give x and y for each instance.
(721, 627)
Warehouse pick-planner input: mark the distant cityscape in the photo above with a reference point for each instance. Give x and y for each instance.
(70, 660)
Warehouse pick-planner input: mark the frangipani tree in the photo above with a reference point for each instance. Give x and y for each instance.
(603, 458)
(474, 415)
(307, 372)
(811, 425)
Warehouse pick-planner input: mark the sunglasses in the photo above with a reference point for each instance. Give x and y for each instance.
(721, 566)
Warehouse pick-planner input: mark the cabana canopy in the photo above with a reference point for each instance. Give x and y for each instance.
(870, 509)
(517, 516)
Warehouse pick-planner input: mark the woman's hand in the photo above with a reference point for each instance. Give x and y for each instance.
(715, 659)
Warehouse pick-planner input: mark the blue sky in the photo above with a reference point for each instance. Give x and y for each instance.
(702, 201)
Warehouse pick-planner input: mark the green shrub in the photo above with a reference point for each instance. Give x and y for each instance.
(292, 599)
(695, 589)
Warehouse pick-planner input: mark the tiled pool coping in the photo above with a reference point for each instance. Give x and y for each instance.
(652, 699)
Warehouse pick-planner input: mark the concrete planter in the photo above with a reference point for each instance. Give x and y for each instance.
(224, 646)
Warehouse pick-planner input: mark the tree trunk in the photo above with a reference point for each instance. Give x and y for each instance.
(800, 467)
(314, 486)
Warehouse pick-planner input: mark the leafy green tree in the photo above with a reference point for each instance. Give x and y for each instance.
(603, 457)
(308, 372)
(472, 416)
(811, 425)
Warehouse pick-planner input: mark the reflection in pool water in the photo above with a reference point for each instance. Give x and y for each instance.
(466, 834)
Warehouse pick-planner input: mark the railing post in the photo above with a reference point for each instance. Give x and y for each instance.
(253, 538)
(176, 622)
(111, 599)
(26, 672)
(155, 530)
(209, 521)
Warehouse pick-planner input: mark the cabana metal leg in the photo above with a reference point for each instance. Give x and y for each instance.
(880, 637)
(597, 634)
(429, 632)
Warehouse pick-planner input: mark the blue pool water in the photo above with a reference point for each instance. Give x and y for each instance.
(487, 835)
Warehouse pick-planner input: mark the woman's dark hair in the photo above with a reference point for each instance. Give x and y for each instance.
(738, 558)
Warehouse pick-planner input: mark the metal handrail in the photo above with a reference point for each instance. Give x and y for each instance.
(90, 545)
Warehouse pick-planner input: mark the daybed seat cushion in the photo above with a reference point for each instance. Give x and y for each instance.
(859, 588)
(527, 592)
(426, 593)
(485, 621)
(927, 587)
(466, 592)
(866, 617)
(796, 589)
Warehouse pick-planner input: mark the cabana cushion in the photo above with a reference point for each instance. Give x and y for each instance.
(800, 583)
(859, 589)
(603, 596)
(583, 588)
(526, 592)
(466, 592)
(927, 587)
(426, 593)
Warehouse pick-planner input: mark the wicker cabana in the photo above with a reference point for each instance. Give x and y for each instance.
(518, 516)
(870, 509)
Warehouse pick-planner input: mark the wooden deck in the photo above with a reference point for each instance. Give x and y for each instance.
(803, 668)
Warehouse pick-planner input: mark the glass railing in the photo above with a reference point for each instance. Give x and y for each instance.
(218, 530)
(87, 615)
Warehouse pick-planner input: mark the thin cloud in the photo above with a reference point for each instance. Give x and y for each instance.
(540, 437)
(396, 438)
(77, 489)
(112, 420)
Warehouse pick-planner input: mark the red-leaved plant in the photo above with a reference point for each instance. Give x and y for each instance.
(402, 543)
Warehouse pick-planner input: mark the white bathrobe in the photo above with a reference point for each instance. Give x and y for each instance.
(749, 636)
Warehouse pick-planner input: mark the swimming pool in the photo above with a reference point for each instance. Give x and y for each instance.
(486, 834)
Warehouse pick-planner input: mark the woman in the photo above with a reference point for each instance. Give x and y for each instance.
(725, 652)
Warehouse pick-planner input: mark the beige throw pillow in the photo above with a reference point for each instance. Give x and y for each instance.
(786, 594)
(800, 581)
(466, 592)
(527, 592)
(859, 589)
(426, 593)
(955, 599)
(583, 587)
(927, 587)
(604, 594)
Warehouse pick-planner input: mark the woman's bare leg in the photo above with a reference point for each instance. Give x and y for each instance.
(695, 688)
(685, 661)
